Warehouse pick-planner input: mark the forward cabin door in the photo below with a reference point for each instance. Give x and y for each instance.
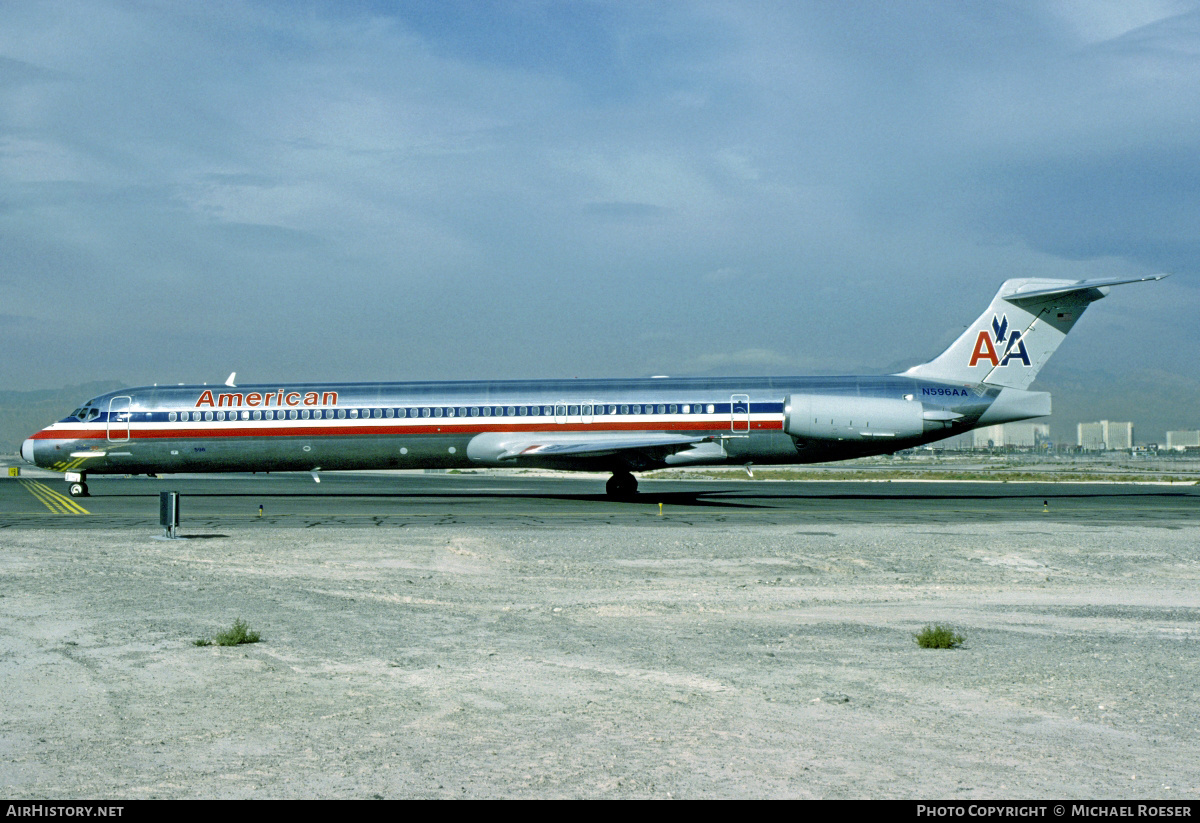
(118, 419)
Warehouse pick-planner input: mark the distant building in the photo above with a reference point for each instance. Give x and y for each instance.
(1105, 435)
(1119, 435)
(1022, 435)
(1091, 436)
(1183, 440)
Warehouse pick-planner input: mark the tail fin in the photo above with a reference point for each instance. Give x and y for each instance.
(1013, 339)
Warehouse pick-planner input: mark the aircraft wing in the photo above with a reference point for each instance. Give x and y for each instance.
(506, 446)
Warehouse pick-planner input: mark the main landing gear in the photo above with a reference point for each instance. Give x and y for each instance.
(621, 485)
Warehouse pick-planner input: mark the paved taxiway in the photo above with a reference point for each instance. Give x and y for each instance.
(369, 499)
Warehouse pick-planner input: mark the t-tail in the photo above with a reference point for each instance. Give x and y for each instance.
(1011, 341)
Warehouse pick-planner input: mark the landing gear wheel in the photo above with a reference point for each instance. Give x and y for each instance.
(622, 485)
(78, 489)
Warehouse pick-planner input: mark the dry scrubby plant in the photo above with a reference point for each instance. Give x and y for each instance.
(238, 634)
(938, 637)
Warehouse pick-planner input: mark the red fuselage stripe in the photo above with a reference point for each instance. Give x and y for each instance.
(233, 431)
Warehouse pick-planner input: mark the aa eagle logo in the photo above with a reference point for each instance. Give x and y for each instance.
(986, 345)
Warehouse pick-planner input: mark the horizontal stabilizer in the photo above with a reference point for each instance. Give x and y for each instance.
(1080, 285)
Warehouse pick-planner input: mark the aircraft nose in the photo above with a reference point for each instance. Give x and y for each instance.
(27, 450)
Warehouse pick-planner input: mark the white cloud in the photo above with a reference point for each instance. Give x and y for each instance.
(1096, 21)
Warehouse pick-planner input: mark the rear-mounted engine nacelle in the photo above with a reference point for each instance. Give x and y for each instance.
(830, 417)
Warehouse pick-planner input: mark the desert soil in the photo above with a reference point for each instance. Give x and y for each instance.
(657, 660)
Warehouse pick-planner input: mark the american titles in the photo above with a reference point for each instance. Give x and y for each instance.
(278, 398)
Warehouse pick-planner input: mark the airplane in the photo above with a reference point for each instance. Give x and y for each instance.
(616, 426)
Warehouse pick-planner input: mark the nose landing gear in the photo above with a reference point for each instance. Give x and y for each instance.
(621, 485)
(77, 484)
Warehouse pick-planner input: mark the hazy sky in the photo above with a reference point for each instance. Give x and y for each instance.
(410, 190)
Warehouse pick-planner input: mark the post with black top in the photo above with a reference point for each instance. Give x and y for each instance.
(168, 513)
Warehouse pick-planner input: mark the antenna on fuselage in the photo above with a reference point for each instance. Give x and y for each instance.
(229, 381)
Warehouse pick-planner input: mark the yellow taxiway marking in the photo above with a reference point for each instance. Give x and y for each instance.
(55, 501)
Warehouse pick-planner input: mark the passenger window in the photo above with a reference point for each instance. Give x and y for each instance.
(523, 410)
(292, 414)
(208, 415)
(710, 408)
(171, 417)
(269, 414)
(674, 408)
(257, 415)
(303, 414)
(318, 414)
(341, 414)
(437, 412)
(388, 412)
(449, 411)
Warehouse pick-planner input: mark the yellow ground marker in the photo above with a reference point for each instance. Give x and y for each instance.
(55, 501)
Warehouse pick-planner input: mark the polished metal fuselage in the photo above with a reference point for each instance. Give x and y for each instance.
(306, 427)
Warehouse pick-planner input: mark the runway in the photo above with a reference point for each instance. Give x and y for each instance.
(213, 502)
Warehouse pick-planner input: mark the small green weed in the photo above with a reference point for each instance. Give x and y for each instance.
(938, 637)
(240, 633)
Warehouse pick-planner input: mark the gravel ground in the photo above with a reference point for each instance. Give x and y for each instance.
(610, 661)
